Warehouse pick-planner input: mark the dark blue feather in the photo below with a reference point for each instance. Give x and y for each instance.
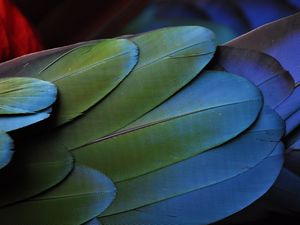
(261, 69)
(279, 39)
(259, 12)
(290, 105)
(292, 122)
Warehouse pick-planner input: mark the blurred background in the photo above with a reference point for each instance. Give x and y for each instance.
(62, 22)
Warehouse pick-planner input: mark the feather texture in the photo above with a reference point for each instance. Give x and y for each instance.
(139, 93)
(206, 169)
(214, 202)
(15, 122)
(24, 101)
(93, 70)
(194, 120)
(32, 64)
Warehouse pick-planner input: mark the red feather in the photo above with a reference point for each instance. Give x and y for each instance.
(17, 37)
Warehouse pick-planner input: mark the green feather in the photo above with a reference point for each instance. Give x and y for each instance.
(87, 74)
(31, 64)
(80, 197)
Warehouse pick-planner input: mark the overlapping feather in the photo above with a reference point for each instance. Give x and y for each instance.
(187, 56)
(22, 103)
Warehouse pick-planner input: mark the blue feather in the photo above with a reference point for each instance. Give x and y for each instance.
(10, 123)
(5, 149)
(290, 105)
(208, 204)
(93, 222)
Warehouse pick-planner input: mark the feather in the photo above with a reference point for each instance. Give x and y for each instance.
(169, 59)
(24, 101)
(261, 69)
(217, 165)
(11, 123)
(6, 153)
(25, 95)
(31, 64)
(292, 140)
(209, 204)
(32, 172)
(82, 196)
(194, 120)
(292, 122)
(291, 104)
(187, 55)
(98, 70)
(280, 40)
(114, 58)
